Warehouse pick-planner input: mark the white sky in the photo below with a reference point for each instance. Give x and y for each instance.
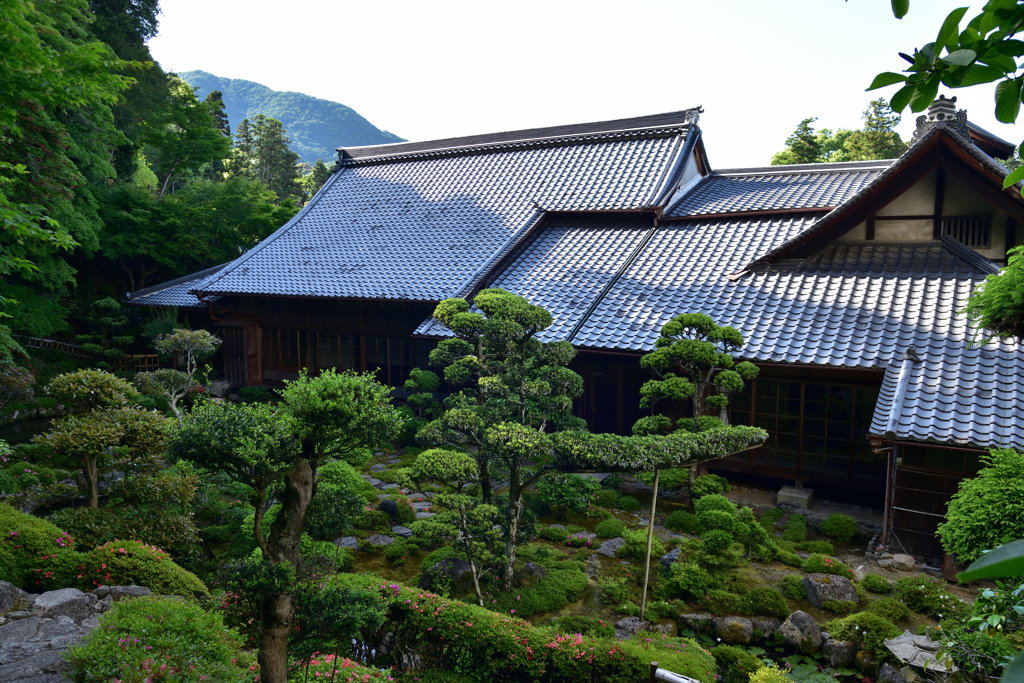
(427, 70)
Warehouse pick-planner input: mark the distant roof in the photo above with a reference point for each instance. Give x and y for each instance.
(422, 227)
(990, 143)
(964, 396)
(773, 188)
(175, 292)
(639, 123)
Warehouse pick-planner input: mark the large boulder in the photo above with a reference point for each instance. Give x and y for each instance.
(668, 558)
(403, 531)
(734, 630)
(455, 572)
(627, 626)
(220, 388)
(379, 539)
(609, 547)
(839, 653)
(66, 602)
(390, 508)
(800, 632)
(700, 622)
(822, 588)
(905, 563)
(765, 625)
(10, 595)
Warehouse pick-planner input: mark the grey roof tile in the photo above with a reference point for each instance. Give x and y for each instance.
(422, 228)
(176, 292)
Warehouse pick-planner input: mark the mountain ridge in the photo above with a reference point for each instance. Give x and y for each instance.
(315, 126)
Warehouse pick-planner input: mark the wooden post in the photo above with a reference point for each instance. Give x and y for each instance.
(650, 539)
(654, 670)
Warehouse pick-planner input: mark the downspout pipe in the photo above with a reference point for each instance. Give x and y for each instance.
(892, 425)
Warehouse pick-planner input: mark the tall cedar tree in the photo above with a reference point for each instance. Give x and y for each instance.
(516, 387)
(877, 140)
(261, 152)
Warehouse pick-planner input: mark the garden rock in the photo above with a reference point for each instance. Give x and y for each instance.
(10, 595)
(372, 482)
(456, 571)
(379, 539)
(394, 461)
(424, 515)
(839, 653)
(420, 507)
(734, 630)
(66, 602)
(766, 625)
(609, 547)
(589, 535)
(378, 467)
(387, 487)
(701, 622)
(866, 662)
(403, 531)
(800, 632)
(350, 542)
(822, 588)
(118, 593)
(624, 628)
(220, 388)
(890, 674)
(903, 562)
(390, 508)
(667, 629)
(668, 558)
(535, 570)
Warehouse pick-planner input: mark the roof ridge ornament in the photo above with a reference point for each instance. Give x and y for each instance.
(942, 113)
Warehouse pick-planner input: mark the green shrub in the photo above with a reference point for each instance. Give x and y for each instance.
(607, 498)
(341, 474)
(718, 602)
(840, 527)
(375, 521)
(823, 547)
(682, 521)
(714, 502)
(708, 485)
(552, 533)
(678, 655)
(980, 654)
(926, 596)
(137, 638)
(766, 602)
(876, 584)
(770, 673)
(406, 512)
(826, 564)
(986, 508)
(690, 580)
(769, 518)
(716, 541)
(839, 606)
(588, 626)
(734, 664)
(610, 528)
(796, 529)
(614, 590)
(399, 552)
(255, 394)
(757, 542)
(131, 563)
(442, 553)
(868, 631)
(565, 583)
(629, 609)
(628, 504)
(717, 519)
(793, 587)
(635, 545)
(659, 609)
(668, 480)
(574, 528)
(34, 554)
(890, 609)
(790, 559)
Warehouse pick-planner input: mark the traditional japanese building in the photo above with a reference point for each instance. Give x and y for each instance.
(845, 280)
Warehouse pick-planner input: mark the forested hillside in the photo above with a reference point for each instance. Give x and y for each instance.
(315, 126)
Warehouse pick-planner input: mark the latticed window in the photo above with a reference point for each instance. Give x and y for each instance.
(974, 231)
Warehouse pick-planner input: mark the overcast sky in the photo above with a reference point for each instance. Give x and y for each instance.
(426, 70)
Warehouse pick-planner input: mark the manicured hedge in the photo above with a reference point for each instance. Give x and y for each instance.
(484, 645)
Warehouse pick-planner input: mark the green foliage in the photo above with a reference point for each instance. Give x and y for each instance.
(335, 509)
(819, 563)
(131, 563)
(987, 508)
(717, 540)
(822, 547)
(588, 626)
(682, 521)
(757, 542)
(770, 674)
(718, 602)
(565, 583)
(255, 394)
(839, 606)
(707, 485)
(734, 664)
(996, 306)
(796, 529)
(691, 580)
(629, 609)
(865, 629)
(568, 492)
(635, 545)
(15, 382)
(138, 637)
(85, 390)
(767, 602)
(876, 584)
(399, 552)
(840, 527)
(614, 590)
(554, 534)
(927, 596)
(717, 520)
(668, 480)
(770, 517)
(714, 502)
(443, 553)
(628, 504)
(607, 498)
(793, 587)
(890, 609)
(790, 559)
(375, 521)
(877, 140)
(34, 553)
(610, 528)
(976, 652)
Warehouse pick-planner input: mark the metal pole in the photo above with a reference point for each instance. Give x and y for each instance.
(650, 539)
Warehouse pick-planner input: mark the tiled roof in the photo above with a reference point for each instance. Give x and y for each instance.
(969, 396)
(424, 227)
(175, 292)
(777, 187)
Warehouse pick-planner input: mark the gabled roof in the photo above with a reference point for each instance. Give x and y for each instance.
(967, 396)
(777, 188)
(175, 292)
(423, 221)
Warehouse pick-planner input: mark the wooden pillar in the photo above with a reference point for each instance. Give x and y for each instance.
(940, 194)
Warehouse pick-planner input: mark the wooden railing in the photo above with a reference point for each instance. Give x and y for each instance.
(140, 362)
(65, 347)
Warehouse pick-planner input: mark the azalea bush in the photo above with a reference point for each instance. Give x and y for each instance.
(34, 554)
(818, 563)
(132, 563)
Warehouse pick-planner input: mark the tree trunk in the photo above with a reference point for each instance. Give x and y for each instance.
(510, 542)
(485, 478)
(283, 546)
(469, 555)
(94, 486)
(650, 539)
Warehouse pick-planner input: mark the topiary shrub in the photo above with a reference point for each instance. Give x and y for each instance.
(790, 559)
(890, 609)
(796, 529)
(34, 554)
(826, 564)
(610, 528)
(149, 638)
(714, 502)
(716, 540)
(839, 606)
(131, 563)
(588, 626)
(717, 519)
(400, 552)
(735, 665)
(766, 602)
(840, 527)
(926, 596)
(986, 509)
(628, 504)
(629, 609)
(635, 545)
(770, 674)
(682, 521)
(719, 602)
(708, 485)
(769, 518)
(690, 580)
(876, 584)
(793, 587)
(866, 630)
(606, 498)
(823, 547)
(343, 475)
(551, 533)
(375, 521)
